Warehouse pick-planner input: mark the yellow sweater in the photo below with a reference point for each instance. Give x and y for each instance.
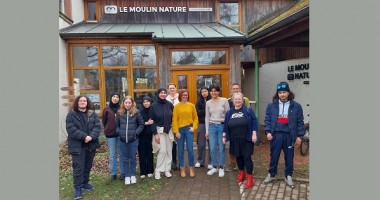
(184, 115)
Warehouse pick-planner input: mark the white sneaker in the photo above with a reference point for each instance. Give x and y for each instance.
(127, 180)
(221, 172)
(197, 165)
(133, 179)
(142, 176)
(168, 174)
(212, 171)
(209, 166)
(157, 175)
(150, 175)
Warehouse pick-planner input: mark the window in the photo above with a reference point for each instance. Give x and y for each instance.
(91, 10)
(194, 57)
(126, 69)
(229, 13)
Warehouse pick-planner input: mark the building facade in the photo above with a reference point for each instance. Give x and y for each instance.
(134, 47)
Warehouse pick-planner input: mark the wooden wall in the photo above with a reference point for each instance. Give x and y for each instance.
(268, 55)
(255, 11)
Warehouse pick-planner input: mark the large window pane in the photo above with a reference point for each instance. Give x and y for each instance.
(143, 56)
(144, 78)
(95, 99)
(85, 56)
(207, 80)
(115, 55)
(198, 57)
(229, 13)
(116, 81)
(88, 77)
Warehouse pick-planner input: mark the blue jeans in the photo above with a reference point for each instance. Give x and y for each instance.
(128, 153)
(189, 137)
(215, 134)
(113, 146)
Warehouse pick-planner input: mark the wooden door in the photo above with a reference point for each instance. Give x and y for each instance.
(193, 80)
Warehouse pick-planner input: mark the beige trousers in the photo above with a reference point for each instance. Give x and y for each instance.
(164, 156)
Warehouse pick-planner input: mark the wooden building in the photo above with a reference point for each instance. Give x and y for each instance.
(134, 47)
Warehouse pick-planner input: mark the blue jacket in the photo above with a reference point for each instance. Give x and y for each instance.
(249, 114)
(295, 117)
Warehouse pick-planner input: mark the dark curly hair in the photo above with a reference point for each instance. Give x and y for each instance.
(76, 101)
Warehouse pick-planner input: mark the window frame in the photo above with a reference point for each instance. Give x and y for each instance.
(97, 11)
(102, 69)
(211, 66)
(239, 13)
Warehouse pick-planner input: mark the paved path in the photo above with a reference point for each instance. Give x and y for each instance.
(204, 187)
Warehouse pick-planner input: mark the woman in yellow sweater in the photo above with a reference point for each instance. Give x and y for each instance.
(185, 121)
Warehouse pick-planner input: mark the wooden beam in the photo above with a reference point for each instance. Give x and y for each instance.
(285, 32)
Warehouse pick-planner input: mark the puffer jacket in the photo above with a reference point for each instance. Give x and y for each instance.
(135, 126)
(295, 117)
(78, 130)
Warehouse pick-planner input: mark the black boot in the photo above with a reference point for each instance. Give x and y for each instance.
(174, 166)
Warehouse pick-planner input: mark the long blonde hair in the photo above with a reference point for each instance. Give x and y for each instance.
(132, 110)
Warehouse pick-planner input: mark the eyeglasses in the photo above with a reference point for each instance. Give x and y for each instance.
(281, 86)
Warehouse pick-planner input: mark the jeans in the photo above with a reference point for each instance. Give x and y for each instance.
(114, 150)
(215, 132)
(189, 137)
(128, 154)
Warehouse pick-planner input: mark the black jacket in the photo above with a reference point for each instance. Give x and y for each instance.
(146, 134)
(161, 112)
(135, 126)
(78, 128)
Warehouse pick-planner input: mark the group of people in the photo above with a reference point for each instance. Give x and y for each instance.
(166, 125)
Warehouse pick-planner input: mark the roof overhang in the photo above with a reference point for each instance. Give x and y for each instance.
(205, 32)
(274, 33)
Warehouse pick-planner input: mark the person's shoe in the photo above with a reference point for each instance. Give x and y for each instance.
(289, 181)
(192, 173)
(157, 175)
(122, 176)
(197, 165)
(174, 166)
(221, 172)
(183, 172)
(142, 176)
(113, 177)
(133, 179)
(212, 171)
(249, 182)
(168, 174)
(78, 193)
(127, 180)
(269, 179)
(241, 176)
(209, 166)
(150, 175)
(88, 186)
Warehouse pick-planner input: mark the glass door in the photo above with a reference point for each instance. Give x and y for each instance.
(195, 79)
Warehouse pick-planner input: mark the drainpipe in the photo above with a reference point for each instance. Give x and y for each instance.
(257, 93)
